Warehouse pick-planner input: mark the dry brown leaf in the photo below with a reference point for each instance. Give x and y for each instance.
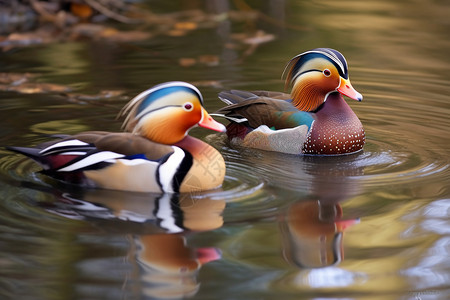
(208, 83)
(38, 88)
(260, 37)
(187, 61)
(106, 94)
(125, 36)
(20, 82)
(14, 78)
(96, 31)
(81, 10)
(185, 26)
(209, 60)
(108, 32)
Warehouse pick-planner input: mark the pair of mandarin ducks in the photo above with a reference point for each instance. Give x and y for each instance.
(156, 154)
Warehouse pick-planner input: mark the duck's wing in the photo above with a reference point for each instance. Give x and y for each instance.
(120, 161)
(88, 150)
(257, 108)
(124, 143)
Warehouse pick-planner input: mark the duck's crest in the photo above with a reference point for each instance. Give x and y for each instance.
(139, 105)
(292, 67)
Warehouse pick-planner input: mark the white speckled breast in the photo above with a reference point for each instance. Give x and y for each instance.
(336, 129)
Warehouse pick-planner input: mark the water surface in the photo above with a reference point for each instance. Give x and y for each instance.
(373, 225)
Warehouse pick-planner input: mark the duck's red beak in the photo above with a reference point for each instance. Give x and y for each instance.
(205, 255)
(341, 225)
(208, 122)
(346, 88)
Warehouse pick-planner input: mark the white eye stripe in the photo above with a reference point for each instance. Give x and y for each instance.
(144, 94)
(149, 110)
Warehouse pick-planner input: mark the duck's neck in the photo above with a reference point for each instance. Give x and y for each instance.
(336, 110)
(336, 129)
(195, 146)
(190, 143)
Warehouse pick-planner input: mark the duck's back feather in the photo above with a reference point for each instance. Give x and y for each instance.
(273, 109)
(124, 143)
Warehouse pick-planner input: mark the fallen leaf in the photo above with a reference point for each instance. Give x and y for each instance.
(209, 60)
(38, 88)
(259, 38)
(20, 82)
(187, 62)
(208, 83)
(14, 78)
(125, 36)
(106, 94)
(102, 95)
(97, 31)
(81, 10)
(185, 26)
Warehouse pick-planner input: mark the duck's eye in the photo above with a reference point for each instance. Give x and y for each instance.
(326, 72)
(188, 106)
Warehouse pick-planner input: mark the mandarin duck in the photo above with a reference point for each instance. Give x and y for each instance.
(169, 266)
(312, 233)
(313, 120)
(155, 155)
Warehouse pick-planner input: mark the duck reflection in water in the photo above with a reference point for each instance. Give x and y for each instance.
(312, 225)
(312, 229)
(167, 266)
(312, 234)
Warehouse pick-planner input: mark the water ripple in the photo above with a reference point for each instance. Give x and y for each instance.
(384, 163)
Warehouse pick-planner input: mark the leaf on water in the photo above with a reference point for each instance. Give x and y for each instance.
(187, 62)
(15, 40)
(22, 83)
(207, 60)
(102, 95)
(208, 83)
(38, 88)
(125, 36)
(81, 10)
(14, 78)
(185, 26)
(97, 31)
(181, 28)
(259, 37)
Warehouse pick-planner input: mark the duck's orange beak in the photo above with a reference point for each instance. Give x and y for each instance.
(208, 122)
(346, 88)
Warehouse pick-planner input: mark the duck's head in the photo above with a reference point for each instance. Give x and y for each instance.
(315, 74)
(166, 112)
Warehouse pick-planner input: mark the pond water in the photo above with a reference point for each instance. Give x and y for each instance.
(374, 225)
